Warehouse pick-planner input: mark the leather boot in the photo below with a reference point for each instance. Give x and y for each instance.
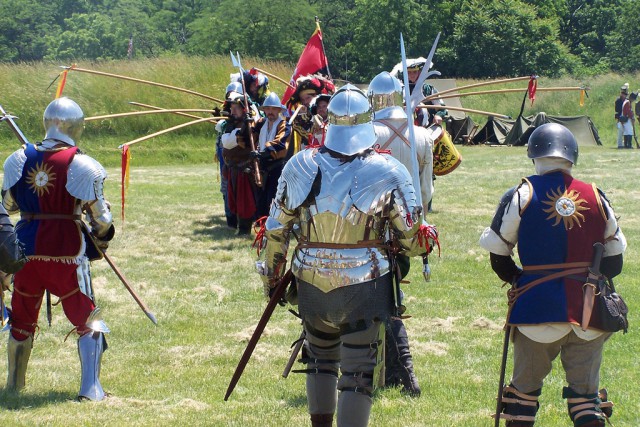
(398, 361)
(90, 349)
(18, 357)
(321, 420)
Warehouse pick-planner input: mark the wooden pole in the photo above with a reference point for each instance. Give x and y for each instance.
(153, 107)
(142, 113)
(492, 82)
(281, 80)
(497, 91)
(101, 73)
(171, 129)
(468, 110)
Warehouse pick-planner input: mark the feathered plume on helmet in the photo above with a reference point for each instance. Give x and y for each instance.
(314, 84)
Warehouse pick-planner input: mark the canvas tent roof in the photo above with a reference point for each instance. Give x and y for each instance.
(515, 132)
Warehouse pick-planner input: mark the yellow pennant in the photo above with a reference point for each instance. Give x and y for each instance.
(582, 98)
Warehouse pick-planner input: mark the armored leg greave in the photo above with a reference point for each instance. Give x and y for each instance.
(519, 409)
(18, 354)
(588, 410)
(90, 349)
(399, 363)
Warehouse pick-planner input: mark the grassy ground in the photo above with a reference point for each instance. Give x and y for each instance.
(199, 281)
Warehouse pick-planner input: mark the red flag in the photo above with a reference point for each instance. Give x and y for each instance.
(312, 61)
(533, 86)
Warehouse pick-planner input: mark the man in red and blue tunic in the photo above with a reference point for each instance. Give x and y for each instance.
(555, 220)
(52, 184)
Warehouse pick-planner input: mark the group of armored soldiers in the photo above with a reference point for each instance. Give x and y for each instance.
(344, 192)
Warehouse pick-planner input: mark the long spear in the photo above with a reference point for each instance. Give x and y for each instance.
(171, 129)
(488, 92)
(115, 269)
(161, 111)
(468, 110)
(117, 76)
(280, 79)
(514, 79)
(153, 107)
(235, 60)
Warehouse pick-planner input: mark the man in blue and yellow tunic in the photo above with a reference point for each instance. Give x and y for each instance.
(555, 220)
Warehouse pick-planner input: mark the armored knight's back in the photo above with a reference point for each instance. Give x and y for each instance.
(348, 208)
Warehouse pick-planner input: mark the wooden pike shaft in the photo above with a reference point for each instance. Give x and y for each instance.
(160, 111)
(487, 92)
(115, 269)
(171, 129)
(492, 82)
(281, 80)
(153, 107)
(468, 110)
(101, 73)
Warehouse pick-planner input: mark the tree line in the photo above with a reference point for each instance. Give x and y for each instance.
(479, 38)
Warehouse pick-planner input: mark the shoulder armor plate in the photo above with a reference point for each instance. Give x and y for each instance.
(297, 178)
(376, 180)
(13, 168)
(85, 178)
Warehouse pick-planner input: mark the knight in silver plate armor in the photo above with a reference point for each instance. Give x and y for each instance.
(346, 202)
(52, 184)
(391, 127)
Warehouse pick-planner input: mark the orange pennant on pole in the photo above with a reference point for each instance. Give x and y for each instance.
(124, 184)
(63, 81)
(582, 97)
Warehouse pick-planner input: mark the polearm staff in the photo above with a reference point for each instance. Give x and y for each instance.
(115, 269)
(247, 111)
(117, 76)
(498, 91)
(468, 110)
(14, 127)
(160, 111)
(280, 79)
(171, 129)
(514, 79)
(153, 107)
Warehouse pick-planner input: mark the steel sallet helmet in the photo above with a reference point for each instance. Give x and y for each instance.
(233, 87)
(272, 100)
(64, 121)
(553, 140)
(385, 95)
(350, 130)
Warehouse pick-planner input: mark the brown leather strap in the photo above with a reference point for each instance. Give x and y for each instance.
(398, 133)
(357, 245)
(556, 266)
(516, 292)
(30, 216)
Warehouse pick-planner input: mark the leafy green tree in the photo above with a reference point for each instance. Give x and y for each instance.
(506, 38)
(24, 26)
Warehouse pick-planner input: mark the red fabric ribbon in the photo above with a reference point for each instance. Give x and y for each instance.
(426, 233)
(260, 227)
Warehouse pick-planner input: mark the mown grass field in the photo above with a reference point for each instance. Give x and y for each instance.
(199, 280)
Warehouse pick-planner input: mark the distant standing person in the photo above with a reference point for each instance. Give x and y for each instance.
(620, 120)
(628, 121)
(273, 140)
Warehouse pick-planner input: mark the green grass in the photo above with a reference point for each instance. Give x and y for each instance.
(199, 281)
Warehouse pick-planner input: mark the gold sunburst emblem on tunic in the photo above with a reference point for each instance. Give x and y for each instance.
(565, 206)
(40, 178)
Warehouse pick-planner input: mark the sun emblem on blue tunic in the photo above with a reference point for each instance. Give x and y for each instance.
(565, 206)
(40, 178)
